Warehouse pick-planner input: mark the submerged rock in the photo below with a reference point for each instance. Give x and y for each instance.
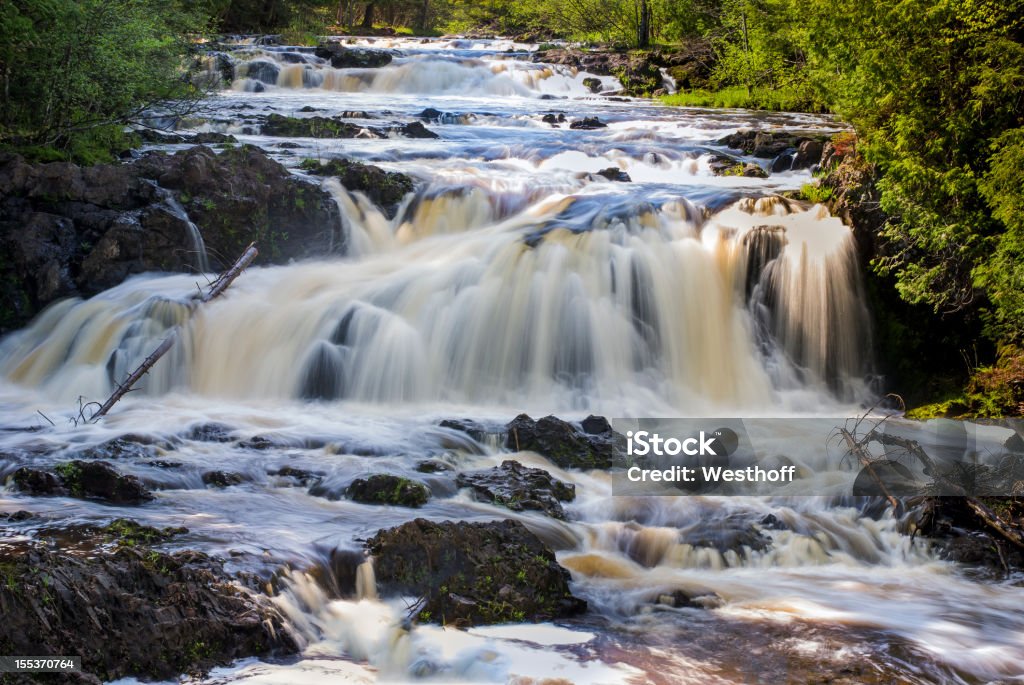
(615, 174)
(473, 573)
(562, 442)
(85, 480)
(384, 488)
(519, 488)
(588, 124)
(222, 479)
(132, 611)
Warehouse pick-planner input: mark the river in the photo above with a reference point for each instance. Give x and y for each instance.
(515, 279)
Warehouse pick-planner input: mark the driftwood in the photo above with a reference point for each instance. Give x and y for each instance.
(988, 517)
(215, 290)
(859, 450)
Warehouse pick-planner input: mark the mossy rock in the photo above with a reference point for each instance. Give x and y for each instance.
(473, 573)
(383, 488)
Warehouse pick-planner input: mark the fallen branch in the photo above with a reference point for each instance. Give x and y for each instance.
(858, 450)
(991, 520)
(216, 289)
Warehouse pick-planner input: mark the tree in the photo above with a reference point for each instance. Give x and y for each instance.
(76, 71)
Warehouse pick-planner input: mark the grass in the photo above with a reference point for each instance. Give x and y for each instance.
(738, 97)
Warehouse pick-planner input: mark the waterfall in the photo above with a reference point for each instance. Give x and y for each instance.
(552, 303)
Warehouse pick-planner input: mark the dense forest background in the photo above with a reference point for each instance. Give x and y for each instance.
(933, 88)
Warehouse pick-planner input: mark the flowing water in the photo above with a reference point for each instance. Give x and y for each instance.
(516, 279)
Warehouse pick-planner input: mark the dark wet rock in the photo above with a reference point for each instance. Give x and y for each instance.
(680, 599)
(638, 72)
(210, 432)
(596, 425)
(259, 443)
(791, 151)
(130, 532)
(733, 534)
(83, 479)
(588, 124)
(133, 611)
(772, 522)
(163, 464)
(1014, 443)
(561, 442)
(592, 84)
(71, 231)
(383, 488)
(15, 517)
(222, 479)
(432, 466)
(615, 174)
(554, 118)
(475, 430)
(339, 573)
(431, 114)
(309, 127)
(385, 188)
(263, 70)
(519, 488)
(118, 448)
(309, 108)
(416, 129)
(301, 476)
(37, 482)
(722, 165)
(342, 57)
(473, 573)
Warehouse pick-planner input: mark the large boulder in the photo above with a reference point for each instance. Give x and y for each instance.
(473, 573)
(69, 231)
(129, 610)
(563, 443)
(83, 479)
(519, 488)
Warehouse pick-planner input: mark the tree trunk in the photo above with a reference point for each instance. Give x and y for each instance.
(371, 8)
(643, 37)
(424, 14)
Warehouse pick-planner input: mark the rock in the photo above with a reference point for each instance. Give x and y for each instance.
(263, 70)
(70, 231)
(118, 448)
(222, 479)
(416, 129)
(99, 480)
(342, 57)
(385, 188)
(722, 165)
(588, 124)
(431, 114)
(133, 611)
(130, 532)
(615, 174)
(85, 480)
(561, 442)
(301, 476)
(961, 536)
(473, 573)
(15, 517)
(382, 488)
(309, 127)
(553, 118)
(36, 482)
(519, 488)
(210, 432)
(432, 466)
(471, 428)
(896, 477)
(593, 84)
(596, 425)
(808, 153)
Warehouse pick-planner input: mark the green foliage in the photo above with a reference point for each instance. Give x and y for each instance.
(75, 71)
(812, 192)
(773, 99)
